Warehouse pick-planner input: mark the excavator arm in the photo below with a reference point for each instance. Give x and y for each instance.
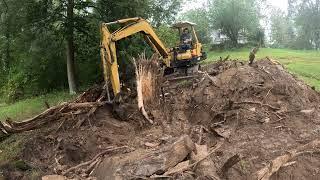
(108, 46)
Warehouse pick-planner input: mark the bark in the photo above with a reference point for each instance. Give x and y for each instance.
(70, 48)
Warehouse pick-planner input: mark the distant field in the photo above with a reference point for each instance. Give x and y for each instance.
(305, 64)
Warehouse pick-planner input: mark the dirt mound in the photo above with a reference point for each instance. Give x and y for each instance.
(261, 111)
(254, 113)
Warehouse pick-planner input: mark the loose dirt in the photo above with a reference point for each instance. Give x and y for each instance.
(257, 112)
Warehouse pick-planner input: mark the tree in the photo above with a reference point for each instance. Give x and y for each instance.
(70, 47)
(279, 28)
(307, 21)
(199, 16)
(259, 37)
(163, 11)
(234, 17)
(5, 21)
(47, 41)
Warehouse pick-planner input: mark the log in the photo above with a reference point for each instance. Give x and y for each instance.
(54, 113)
(27, 127)
(35, 118)
(145, 164)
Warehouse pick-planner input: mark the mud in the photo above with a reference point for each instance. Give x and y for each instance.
(258, 112)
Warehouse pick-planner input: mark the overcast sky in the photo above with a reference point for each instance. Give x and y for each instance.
(282, 4)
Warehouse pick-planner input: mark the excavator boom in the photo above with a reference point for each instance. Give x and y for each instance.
(108, 47)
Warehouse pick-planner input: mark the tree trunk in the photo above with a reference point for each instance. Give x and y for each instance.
(6, 56)
(70, 48)
(6, 59)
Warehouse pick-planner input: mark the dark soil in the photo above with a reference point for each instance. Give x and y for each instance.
(259, 111)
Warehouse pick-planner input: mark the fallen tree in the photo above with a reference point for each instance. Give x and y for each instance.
(86, 103)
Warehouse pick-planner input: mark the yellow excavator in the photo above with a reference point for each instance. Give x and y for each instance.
(172, 58)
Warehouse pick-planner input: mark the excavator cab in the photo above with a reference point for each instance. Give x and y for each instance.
(190, 53)
(186, 30)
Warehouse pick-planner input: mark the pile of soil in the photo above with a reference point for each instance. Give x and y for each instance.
(259, 112)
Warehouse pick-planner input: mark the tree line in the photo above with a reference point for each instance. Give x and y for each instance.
(48, 45)
(297, 28)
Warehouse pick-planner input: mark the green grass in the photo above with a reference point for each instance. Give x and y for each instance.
(29, 107)
(303, 63)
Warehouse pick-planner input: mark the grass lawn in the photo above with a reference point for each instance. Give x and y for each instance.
(29, 107)
(305, 64)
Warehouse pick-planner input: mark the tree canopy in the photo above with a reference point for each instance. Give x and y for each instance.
(39, 39)
(234, 17)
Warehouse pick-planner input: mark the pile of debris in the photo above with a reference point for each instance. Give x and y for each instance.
(230, 121)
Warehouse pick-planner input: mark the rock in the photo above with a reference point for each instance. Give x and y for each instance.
(224, 132)
(145, 163)
(54, 177)
(178, 168)
(253, 109)
(151, 145)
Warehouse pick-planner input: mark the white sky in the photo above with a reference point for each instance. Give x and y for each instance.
(282, 4)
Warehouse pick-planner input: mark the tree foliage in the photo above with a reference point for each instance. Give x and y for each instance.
(279, 28)
(299, 28)
(234, 17)
(200, 16)
(34, 35)
(307, 21)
